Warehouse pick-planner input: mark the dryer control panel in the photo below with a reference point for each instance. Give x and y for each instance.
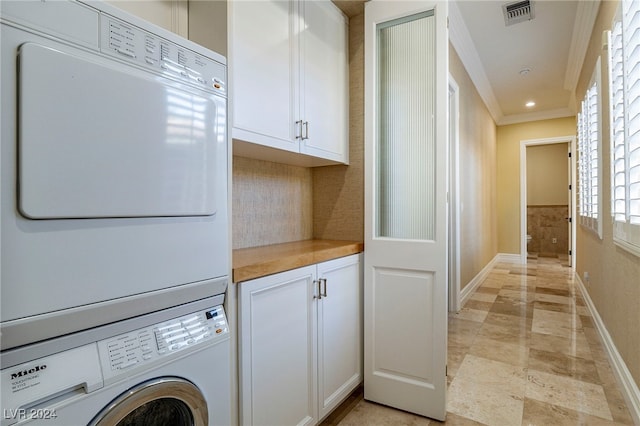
(136, 348)
(135, 45)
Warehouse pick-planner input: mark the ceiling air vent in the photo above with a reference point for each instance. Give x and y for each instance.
(517, 12)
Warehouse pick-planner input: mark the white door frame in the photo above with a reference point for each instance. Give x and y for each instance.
(571, 140)
(454, 195)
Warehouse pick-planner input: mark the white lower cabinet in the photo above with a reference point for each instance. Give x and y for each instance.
(300, 342)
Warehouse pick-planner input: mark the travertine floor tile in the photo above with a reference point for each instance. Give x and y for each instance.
(471, 315)
(541, 297)
(463, 331)
(550, 306)
(568, 393)
(486, 391)
(517, 355)
(521, 323)
(507, 334)
(564, 365)
(576, 345)
(484, 297)
(372, 414)
(479, 305)
(538, 413)
(555, 323)
(485, 289)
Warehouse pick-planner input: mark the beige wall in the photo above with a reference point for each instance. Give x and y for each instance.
(508, 173)
(613, 283)
(547, 175)
(172, 15)
(208, 24)
(477, 153)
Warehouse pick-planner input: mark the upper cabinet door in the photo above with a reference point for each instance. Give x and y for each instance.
(324, 81)
(289, 81)
(263, 68)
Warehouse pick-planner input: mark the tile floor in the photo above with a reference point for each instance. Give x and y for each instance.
(522, 351)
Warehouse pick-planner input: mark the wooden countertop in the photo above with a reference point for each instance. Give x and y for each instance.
(258, 262)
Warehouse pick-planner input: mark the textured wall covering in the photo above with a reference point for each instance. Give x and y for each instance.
(272, 203)
(338, 191)
(613, 285)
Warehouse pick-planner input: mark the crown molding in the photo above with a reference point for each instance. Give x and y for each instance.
(463, 44)
(586, 15)
(535, 116)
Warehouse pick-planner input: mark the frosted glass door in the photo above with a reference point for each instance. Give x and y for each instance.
(406, 136)
(406, 133)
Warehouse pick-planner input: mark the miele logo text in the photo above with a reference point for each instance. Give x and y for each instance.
(33, 370)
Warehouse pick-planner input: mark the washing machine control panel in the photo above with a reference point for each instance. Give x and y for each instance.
(126, 352)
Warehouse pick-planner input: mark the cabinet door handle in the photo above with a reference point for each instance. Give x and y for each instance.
(306, 130)
(324, 280)
(299, 125)
(319, 296)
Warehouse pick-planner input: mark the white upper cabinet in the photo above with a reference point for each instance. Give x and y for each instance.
(288, 75)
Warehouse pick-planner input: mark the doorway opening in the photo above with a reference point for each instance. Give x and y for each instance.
(547, 198)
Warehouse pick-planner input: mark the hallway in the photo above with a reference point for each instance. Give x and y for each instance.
(523, 351)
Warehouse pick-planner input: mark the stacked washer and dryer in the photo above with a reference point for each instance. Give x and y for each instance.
(114, 234)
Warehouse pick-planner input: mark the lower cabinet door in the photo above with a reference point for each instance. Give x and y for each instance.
(339, 331)
(278, 353)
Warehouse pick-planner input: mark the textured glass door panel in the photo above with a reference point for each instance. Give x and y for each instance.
(405, 147)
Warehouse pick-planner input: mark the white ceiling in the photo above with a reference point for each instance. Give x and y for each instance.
(552, 46)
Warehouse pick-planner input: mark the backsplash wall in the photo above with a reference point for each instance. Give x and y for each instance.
(272, 203)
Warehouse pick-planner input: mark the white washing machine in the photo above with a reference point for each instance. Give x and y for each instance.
(170, 367)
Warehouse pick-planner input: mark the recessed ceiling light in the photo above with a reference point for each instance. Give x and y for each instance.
(530, 104)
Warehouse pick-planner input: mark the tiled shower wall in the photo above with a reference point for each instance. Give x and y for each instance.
(544, 223)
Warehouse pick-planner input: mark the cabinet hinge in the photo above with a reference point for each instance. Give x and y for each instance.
(569, 154)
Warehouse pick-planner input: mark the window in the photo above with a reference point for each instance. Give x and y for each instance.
(589, 158)
(624, 80)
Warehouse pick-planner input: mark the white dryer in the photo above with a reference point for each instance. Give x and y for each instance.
(113, 169)
(167, 368)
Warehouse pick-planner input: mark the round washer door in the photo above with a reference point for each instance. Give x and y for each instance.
(162, 401)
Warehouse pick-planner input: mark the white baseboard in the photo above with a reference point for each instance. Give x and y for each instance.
(623, 376)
